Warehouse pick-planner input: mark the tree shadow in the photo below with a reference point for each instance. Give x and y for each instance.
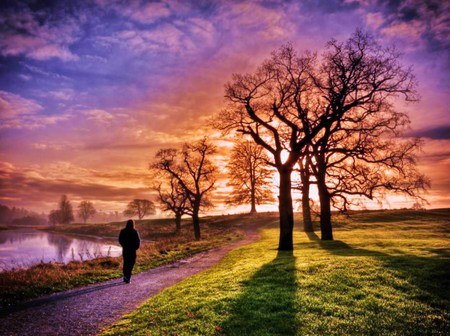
(431, 275)
(312, 236)
(267, 304)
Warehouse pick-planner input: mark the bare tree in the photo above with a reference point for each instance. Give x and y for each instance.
(86, 210)
(358, 153)
(54, 217)
(193, 169)
(305, 186)
(274, 106)
(173, 198)
(140, 208)
(65, 210)
(250, 175)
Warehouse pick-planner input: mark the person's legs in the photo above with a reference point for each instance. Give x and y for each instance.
(129, 259)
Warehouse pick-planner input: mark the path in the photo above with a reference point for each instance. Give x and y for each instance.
(87, 310)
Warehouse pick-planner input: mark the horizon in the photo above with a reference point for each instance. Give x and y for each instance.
(90, 91)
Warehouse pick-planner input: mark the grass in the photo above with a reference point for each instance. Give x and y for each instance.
(387, 273)
(161, 245)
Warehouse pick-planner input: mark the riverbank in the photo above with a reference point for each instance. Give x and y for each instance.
(161, 245)
(109, 300)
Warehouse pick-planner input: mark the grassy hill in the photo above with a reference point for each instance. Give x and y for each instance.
(387, 273)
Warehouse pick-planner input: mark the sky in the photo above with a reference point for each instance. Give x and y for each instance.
(90, 90)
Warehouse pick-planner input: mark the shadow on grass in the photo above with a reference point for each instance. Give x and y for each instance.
(267, 305)
(431, 275)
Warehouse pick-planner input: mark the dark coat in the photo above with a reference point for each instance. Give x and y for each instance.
(129, 239)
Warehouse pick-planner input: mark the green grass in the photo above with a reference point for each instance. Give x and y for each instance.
(387, 273)
(163, 245)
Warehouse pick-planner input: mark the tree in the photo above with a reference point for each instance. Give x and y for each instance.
(305, 180)
(275, 106)
(86, 210)
(360, 152)
(65, 210)
(173, 198)
(54, 217)
(140, 208)
(250, 175)
(193, 169)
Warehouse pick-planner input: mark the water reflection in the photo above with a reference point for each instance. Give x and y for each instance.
(61, 243)
(26, 247)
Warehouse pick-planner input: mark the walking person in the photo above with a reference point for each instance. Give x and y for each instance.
(130, 241)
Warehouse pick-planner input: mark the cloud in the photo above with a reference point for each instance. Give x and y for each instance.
(13, 106)
(28, 33)
(164, 38)
(34, 186)
(99, 116)
(63, 94)
(426, 21)
(412, 29)
(374, 20)
(145, 13)
(18, 112)
(435, 133)
(44, 73)
(253, 18)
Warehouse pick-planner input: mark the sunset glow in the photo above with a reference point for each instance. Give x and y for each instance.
(90, 90)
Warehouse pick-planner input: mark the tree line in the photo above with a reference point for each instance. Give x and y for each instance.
(86, 210)
(186, 177)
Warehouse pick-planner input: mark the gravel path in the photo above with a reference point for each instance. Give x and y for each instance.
(87, 310)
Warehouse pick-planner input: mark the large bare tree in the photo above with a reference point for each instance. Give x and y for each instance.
(194, 170)
(140, 208)
(274, 106)
(360, 152)
(250, 175)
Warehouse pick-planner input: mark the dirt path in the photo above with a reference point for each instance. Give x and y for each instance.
(87, 310)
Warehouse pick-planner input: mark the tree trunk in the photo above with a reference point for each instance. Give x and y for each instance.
(306, 210)
(286, 211)
(196, 222)
(253, 203)
(178, 222)
(325, 208)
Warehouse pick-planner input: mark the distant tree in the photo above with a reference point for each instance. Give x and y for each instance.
(250, 175)
(20, 216)
(173, 198)
(54, 217)
(418, 206)
(193, 169)
(65, 210)
(86, 210)
(29, 220)
(140, 208)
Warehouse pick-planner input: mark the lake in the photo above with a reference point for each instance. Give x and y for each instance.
(23, 248)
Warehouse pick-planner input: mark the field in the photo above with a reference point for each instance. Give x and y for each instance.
(387, 273)
(161, 245)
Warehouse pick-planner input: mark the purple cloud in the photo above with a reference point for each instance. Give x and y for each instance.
(33, 34)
